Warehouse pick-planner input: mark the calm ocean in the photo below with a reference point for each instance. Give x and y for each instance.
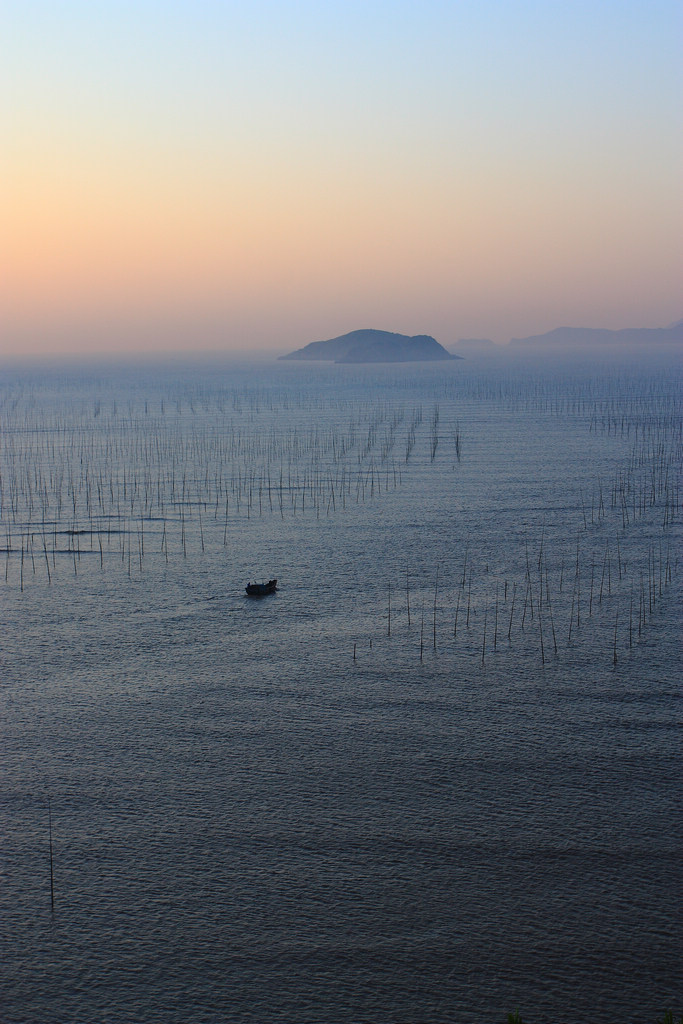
(434, 778)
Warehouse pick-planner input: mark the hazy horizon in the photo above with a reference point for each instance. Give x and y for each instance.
(217, 178)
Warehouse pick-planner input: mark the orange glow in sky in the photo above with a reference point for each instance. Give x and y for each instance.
(288, 177)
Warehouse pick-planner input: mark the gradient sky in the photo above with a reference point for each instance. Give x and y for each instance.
(260, 175)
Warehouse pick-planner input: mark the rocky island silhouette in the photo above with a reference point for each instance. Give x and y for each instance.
(371, 346)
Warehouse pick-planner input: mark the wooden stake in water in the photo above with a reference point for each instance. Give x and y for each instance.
(52, 877)
(512, 610)
(495, 627)
(436, 589)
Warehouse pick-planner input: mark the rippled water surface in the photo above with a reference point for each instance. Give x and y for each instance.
(435, 777)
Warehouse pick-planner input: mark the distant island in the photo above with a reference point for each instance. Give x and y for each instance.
(597, 337)
(370, 346)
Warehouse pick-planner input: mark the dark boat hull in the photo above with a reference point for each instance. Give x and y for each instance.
(261, 589)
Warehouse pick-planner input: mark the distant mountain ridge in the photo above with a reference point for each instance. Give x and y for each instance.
(580, 337)
(372, 346)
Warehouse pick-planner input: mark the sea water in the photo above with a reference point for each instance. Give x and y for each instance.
(435, 777)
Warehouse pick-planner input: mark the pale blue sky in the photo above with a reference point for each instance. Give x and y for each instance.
(523, 133)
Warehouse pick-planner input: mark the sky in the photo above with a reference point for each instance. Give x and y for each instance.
(255, 176)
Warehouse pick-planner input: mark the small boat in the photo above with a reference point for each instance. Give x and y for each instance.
(261, 589)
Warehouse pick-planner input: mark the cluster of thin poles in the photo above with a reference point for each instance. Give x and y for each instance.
(110, 482)
(554, 601)
(558, 597)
